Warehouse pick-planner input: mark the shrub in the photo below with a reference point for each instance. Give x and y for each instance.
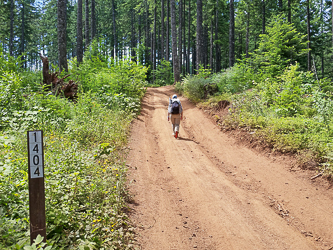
(163, 74)
(234, 80)
(194, 87)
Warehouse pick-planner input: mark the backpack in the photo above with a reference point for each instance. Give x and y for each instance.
(175, 107)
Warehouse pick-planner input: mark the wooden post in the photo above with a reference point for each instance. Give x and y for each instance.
(36, 185)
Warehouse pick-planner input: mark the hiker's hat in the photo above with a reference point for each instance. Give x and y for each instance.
(174, 97)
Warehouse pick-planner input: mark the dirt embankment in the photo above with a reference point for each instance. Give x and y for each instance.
(205, 190)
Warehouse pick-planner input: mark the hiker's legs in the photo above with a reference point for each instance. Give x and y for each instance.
(175, 120)
(176, 125)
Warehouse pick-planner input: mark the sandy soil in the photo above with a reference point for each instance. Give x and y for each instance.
(205, 190)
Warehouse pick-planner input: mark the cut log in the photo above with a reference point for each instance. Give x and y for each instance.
(57, 85)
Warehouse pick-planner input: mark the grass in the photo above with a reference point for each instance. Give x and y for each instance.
(85, 179)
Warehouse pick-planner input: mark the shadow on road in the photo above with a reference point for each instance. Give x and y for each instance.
(186, 139)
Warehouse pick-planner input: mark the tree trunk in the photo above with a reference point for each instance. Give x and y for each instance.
(140, 39)
(154, 42)
(162, 29)
(217, 46)
(332, 24)
(263, 17)
(86, 30)
(133, 54)
(11, 36)
(93, 20)
(23, 35)
(184, 37)
(115, 44)
(308, 32)
(147, 54)
(232, 35)
(211, 46)
(199, 45)
(247, 34)
(289, 11)
(280, 5)
(194, 62)
(175, 61)
(189, 38)
(158, 45)
(167, 49)
(62, 23)
(322, 33)
(240, 41)
(205, 46)
(180, 34)
(79, 42)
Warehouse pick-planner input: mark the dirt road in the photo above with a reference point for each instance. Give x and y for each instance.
(205, 190)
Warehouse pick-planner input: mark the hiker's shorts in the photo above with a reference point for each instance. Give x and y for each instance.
(175, 120)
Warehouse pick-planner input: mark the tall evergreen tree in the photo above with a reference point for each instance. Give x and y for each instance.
(154, 42)
(167, 49)
(62, 47)
(263, 16)
(11, 37)
(175, 60)
(232, 35)
(87, 27)
(93, 19)
(22, 38)
(188, 38)
(162, 29)
(217, 46)
(180, 34)
(79, 39)
(200, 42)
(289, 11)
(308, 32)
(115, 42)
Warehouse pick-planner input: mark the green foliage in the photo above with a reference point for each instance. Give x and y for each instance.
(278, 47)
(277, 102)
(163, 73)
(11, 95)
(235, 79)
(84, 155)
(286, 94)
(103, 75)
(8, 63)
(290, 113)
(193, 87)
(84, 178)
(203, 73)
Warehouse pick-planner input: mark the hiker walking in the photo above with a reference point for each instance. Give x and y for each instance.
(175, 109)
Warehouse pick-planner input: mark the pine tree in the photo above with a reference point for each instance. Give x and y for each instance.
(232, 35)
(175, 60)
(79, 39)
(87, 28)
(62, 48)
(200, 42)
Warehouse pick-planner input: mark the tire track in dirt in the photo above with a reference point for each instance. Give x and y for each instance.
(205, 191)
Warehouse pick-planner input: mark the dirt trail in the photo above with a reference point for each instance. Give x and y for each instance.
(206, 191)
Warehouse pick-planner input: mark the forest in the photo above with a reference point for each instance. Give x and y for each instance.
(214, 34)
(271, 59)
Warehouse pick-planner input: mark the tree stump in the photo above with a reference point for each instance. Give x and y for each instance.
(57, 85)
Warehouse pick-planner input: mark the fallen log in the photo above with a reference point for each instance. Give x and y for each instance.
(57, 85)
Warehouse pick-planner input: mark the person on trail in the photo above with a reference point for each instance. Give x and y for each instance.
(175, 109)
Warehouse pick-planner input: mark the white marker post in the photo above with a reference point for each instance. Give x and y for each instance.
(36, 185)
